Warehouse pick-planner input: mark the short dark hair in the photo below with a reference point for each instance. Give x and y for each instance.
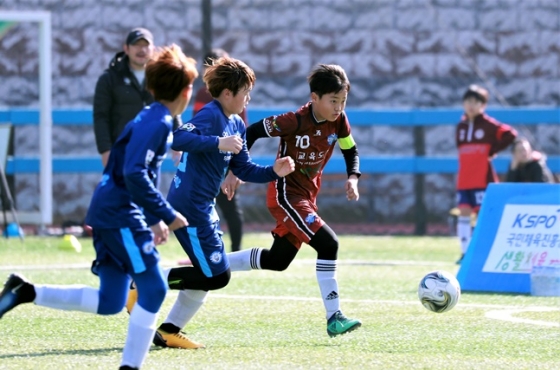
(169, 72)
(213, 55)
(477, 92)
(228, 73)
(328, 78)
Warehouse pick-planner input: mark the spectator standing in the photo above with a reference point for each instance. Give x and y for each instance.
(121, 91)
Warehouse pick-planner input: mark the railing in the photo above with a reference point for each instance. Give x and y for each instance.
(358, 117)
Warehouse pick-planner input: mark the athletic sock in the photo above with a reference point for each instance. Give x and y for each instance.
(68, 297)
(245, 260)
(185, 307)
(464, 232)
(326, 277)
(141, 330)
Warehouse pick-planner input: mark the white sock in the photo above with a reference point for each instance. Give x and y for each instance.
(165, 273)
(245, 260)
(326, 277)
(141, 330)
(185, 307)
(464, 232)
(68, 297)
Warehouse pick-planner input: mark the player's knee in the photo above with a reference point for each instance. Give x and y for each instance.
(325, 242)
(328, 251)
(219, 281)
(110, 306)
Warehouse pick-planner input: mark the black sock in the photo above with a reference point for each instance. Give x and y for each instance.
(169, 328)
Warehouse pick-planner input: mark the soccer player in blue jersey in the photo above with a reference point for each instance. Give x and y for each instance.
(129, 217)
(212, 142)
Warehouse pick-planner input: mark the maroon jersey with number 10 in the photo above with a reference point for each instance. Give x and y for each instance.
(310, 144)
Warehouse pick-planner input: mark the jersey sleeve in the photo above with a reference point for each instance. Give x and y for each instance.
(282, 125)
(194, 136)
(505, 135)
(244, 168)
(140, 152)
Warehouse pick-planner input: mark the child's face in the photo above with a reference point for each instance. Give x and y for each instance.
(329, 106)
(241, 100)
(473, 107)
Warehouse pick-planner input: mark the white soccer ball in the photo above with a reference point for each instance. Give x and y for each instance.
(439, 291)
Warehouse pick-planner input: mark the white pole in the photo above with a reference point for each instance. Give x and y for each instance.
(45, 121)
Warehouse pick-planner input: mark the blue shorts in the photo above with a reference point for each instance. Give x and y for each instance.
(133, 250)
(205, 248)
(472, 198)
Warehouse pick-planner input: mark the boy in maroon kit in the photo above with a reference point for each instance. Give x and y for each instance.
(479, 138)
(308, 136)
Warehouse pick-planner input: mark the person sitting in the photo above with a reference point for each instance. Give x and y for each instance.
(527, 165)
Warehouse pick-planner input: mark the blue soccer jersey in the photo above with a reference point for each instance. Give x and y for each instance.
(127, 195)
(203, 166)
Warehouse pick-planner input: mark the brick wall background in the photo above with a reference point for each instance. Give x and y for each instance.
(397, 53)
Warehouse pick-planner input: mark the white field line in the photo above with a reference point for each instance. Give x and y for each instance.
(506, 315)
(374, 301)
(166, 263)
(499, 312)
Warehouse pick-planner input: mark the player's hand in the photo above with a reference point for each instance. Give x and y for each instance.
(232, 144)
(161, 233)
(230, 185)
(176, 157)
(351, 187)
(179, 222)
(284, 166)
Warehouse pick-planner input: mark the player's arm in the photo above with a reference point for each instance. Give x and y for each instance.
(505, 135)
(254, 132)
(245, 169)
(351, 156)
(139, 153)
(102, 103)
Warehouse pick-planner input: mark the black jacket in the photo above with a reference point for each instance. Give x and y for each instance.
(118, 99)
(535, 170)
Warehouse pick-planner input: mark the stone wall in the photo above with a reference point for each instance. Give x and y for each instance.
(397, 53)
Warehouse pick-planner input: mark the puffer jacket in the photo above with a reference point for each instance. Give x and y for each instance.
(118, 99)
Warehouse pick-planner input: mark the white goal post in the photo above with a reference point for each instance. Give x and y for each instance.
(43, 18)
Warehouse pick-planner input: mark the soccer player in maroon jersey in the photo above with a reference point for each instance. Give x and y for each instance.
(479, 138)
(308, 136)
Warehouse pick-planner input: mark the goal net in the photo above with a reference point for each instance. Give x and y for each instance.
(44, 215)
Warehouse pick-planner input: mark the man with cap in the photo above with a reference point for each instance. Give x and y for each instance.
(121, 92)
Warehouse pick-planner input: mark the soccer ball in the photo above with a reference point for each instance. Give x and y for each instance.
(439, 291)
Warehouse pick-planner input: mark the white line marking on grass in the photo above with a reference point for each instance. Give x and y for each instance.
(73, 266)
(506, 315)
(371, 301)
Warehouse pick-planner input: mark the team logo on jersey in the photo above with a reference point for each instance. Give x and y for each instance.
(331, 139)
(148, 247)
(187, 127)
(150, 156)
(317, 133)
(216, 257)
(479, 133)
(312, 217)
(270, 124)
